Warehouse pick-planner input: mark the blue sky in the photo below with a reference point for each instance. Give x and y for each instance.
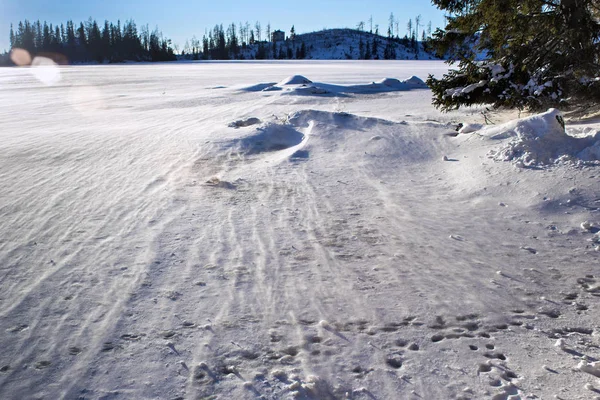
(180, 20)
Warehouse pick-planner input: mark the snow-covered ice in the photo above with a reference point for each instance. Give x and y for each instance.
(176, 231)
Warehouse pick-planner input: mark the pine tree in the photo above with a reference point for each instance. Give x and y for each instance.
(106, 41)
(374, 48)
(361, 49)
(56, 40)
(232, 41)
(261, 52)
(26, 37)
(46, 38)
(39, 35)
(63, 34)
(82, 42)
(221, 44)
(12, 37)
(368, 55)
(205, 50)
(539, 53)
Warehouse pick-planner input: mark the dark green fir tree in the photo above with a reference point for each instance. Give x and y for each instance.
(530, 54)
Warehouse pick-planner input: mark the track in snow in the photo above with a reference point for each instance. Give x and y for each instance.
(148, 250)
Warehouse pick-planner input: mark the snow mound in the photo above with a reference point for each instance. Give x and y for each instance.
(415, 81)
(541, 139)
(300, 85)
(590, 368)
(296, 84)
(389, 82)
(295, 80)
(592, 152)
(347, 135)
(272, 137)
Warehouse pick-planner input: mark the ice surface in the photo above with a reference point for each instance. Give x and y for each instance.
(322, 250)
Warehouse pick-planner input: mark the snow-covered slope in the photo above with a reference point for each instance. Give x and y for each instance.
(343, 44)
(175, 231)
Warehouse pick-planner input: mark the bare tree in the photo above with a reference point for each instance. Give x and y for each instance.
(391, 25)
(268, 31)
(371, 24)
(417, 23)
(258, 30)
(409, 28)
(360, 26)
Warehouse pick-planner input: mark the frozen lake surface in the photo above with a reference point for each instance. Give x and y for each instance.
(182, 231)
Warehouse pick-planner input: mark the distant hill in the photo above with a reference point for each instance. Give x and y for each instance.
(340, 44)
(332, 44)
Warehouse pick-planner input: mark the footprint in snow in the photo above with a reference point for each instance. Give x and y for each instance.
(529, 249)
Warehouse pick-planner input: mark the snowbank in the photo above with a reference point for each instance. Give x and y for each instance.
(541, 139)
(300, 85)
(413, 82)
(296, 84)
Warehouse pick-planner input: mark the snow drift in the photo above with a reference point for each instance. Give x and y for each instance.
(540, 139)
(300, 85)
(271, 137)
(323, 249)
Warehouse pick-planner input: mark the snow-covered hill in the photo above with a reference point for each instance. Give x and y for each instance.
(337, 44)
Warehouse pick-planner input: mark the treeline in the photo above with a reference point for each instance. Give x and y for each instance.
(245, 41)
(369, 49)
(90, 42)
(410, 40)
(239, 42)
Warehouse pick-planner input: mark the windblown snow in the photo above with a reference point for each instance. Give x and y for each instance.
(184, 231)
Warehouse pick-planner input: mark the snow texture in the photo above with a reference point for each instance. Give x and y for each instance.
(541, 139)
(175, 232)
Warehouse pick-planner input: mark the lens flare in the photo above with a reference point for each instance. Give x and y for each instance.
(45, 70)
(20, 57)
